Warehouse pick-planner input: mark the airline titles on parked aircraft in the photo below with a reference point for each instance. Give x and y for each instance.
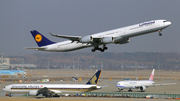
(30, 86)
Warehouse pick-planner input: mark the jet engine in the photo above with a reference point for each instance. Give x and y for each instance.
(107, 40)
(33, 92)
(124, 41)
(87, 39)
(142, 88)
(117, 39)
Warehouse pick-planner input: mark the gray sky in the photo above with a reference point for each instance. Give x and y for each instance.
(83, 17)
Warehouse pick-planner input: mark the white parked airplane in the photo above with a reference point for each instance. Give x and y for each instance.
(142, 85)
(116, 36)
(50, 90)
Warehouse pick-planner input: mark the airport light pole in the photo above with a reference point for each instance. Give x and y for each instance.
(48, 69)
(78, 68)
(158, 70)
(22, 69)
(101, 69)
(73, 67)
(136, 70)
(122, 69)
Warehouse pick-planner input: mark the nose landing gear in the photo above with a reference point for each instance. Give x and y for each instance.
(160, 34)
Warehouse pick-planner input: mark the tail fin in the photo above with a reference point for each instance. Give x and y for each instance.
(152, 75)
(40, 39)
(95, 78)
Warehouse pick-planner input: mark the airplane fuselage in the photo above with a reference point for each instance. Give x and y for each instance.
(133, 84)
(26, 88)
(117, 36)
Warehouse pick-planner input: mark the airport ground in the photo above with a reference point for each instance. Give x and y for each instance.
(106, 76)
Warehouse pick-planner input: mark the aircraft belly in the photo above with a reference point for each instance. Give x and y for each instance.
(74, 46)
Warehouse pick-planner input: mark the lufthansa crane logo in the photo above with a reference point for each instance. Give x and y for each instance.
(38, 38)
(93, 80)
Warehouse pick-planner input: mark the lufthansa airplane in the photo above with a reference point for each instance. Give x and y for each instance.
(141, 85)
(50, 90)
(116, 36)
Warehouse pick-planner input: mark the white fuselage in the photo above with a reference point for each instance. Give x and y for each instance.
(119, 34)
(133, 84)
(59, 88)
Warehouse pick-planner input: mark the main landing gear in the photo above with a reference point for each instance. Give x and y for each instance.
(100, 49)
(129, 90)
(160, 34)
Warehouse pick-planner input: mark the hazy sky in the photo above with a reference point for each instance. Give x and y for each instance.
(83, 17)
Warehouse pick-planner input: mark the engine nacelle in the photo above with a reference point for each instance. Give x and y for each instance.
(124, 41)
(107, 40)
(117, 39)
(142, 88)
(87, 39)
(33, 92)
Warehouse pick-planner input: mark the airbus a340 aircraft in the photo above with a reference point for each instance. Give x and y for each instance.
(142, 85)
(116, 36)
(50, 90)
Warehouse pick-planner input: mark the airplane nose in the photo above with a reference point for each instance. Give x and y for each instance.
(169, 23)
(3, 89)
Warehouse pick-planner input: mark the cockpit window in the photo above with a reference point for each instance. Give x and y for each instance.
(165, 21)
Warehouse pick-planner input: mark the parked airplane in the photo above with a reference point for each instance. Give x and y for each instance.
(12, 72)
(50, 90)
(142, 85)
(116, 36)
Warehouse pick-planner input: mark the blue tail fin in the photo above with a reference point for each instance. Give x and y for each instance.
(40, 39)
(95, 78)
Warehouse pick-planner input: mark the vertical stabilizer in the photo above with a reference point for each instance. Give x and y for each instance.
(152, 75)
(95, 78)
(40, 39)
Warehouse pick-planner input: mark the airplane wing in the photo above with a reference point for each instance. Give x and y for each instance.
(44, 91)
(92, 88)
(37, 48)
(47, 92)
(73, 38)
(163, 84)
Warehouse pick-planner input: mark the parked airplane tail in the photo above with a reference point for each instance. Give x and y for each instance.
(152, 75)
(95, 78)
(40, 39)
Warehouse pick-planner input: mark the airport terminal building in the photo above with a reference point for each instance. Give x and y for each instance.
(4, 63)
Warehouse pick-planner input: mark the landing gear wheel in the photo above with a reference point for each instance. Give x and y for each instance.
(93, 50)
(10, 94)
(119, 89)
(129, 90)
(102, 50)
(160, 34)
(105, 48)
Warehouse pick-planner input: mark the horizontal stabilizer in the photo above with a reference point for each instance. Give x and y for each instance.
(37, 48)
(73, 38)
